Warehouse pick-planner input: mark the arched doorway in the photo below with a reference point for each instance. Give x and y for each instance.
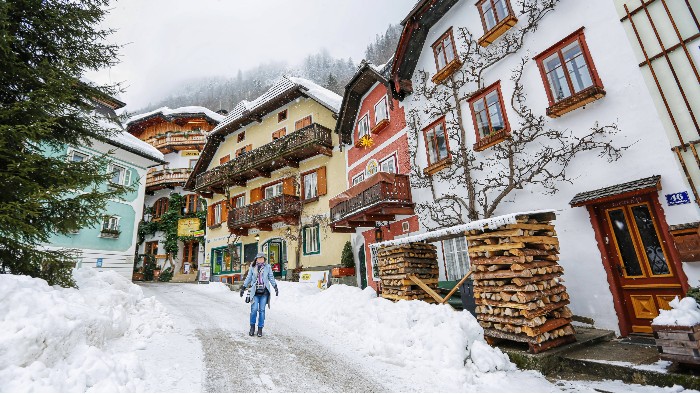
(276, 250)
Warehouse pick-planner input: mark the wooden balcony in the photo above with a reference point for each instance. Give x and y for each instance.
(289, 150)
(263, 214)
(378, 198)
(166, 178)
(178, 140)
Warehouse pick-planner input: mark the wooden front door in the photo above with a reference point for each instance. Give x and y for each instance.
(639, 257)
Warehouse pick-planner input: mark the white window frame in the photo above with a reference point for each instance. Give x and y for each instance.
(313, 192)
(72, 152)
(312, 242)
(363, 126)
(124, 177)
(358, 178)
(390, 159)
(239, 201)
(386, 110)
(276, 190)
(217, 213)
(456, 258)
(111, 222)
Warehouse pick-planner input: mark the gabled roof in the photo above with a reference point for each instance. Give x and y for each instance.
(366, 76)
(599, 195)
(284, 90)
(415, 31)
(136, 123)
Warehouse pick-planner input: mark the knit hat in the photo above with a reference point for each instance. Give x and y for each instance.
(259, 255)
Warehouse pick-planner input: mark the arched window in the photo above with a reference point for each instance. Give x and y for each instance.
(160, 207)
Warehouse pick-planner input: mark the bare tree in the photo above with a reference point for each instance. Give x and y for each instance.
(532, 155)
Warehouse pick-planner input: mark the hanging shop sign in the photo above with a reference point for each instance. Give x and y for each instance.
(189, 153)
(187, 227)
(198, 233)
(679, 198)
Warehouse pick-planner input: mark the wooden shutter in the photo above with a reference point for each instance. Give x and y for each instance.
(210, 215)
(321, 182)
(224, 159)
(248, 147)
(224, 211)
(256, 194)
(288, 186)
(301, 123)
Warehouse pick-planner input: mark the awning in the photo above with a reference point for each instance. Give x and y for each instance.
(651, 184)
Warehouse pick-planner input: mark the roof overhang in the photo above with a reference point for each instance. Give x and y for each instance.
(623, 190)
(361, 83)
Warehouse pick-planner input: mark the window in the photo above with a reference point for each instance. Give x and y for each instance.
(493, 12)
(310, 182)
(193, 162)
(217, 213)
(238, 201)
(490, 120)
(456, 258)
(151, 248)
(224, 159)
(190, 250)
(358, 178)
(301, 123)
(160, 207)
(282, 116)
(244, 149)
(120, 175)
(273, 190)
(311, 240)
(192, 203)
(279, 133)
(381, 111)
(444, 50)
(363, 127)
(110, 225)
(436, 144)
(569, 75)
(388, 164)
(76, 156)
(241, 136)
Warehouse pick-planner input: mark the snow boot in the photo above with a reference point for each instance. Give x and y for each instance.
(252, 330)
(259, 331)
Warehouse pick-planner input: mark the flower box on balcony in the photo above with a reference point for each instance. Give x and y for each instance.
(491, 140)
(109, 233)
(380, 126)
(341, 272)
(575, 101)
(498, 30)
(448, 70)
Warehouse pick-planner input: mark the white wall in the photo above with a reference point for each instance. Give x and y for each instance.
(627, 103)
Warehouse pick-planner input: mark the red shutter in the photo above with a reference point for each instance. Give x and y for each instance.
(321, 181)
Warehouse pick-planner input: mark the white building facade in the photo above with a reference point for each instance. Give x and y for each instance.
(578, 72)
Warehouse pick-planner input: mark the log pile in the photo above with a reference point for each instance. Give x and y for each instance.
(517, 286)
(398, 263)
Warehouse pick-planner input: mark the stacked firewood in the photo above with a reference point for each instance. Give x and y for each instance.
(398, 263)
(517, 286)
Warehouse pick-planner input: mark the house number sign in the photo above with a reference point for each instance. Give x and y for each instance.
(678, 198)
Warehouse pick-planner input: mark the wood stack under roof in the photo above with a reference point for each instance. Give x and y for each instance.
(397, 264)
(517, 285)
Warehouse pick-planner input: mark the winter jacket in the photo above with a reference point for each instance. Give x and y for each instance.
(268, 280)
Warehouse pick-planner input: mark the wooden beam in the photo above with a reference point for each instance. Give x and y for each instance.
(374, 217)
(454, 289)
(289, 162)
(360, 223)
(427, 289)
(325, 151)
(264, 227)
(343, 230)
(264, 174)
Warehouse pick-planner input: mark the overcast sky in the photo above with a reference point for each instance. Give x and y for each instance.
(167, 41)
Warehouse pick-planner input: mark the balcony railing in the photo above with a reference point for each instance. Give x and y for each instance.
(262, 214)
(286, 151)
(160, 179)
(380, 197)
(178, 140)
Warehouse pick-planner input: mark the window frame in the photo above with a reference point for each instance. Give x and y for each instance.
(455, 252)
(72, 152)
(279, 133)
(240, 137)
(433, 126)
(317, 231)
(304, 194)
(579, 36)
(393, 159)
(271, 185)
(495, 136)
(217, 210)
(440, 42)
(384, 100)
(509, 9)
(282, 116)
(109, 219)
(192, 200)
(365, 118)
(360, 175)
(235, 199)
(302, 120)
(190, 252)
(122, 177)
(160, 206)
(150, 246)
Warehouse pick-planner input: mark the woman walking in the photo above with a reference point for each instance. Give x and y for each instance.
(259, 279)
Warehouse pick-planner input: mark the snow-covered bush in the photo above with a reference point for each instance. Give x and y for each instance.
(684, 312)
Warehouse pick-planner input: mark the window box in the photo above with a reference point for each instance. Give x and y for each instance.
(449, 69)
(109, 233)
(493, 139)
(341, 272)
(497, 31)
(569, 75)
(436, 167)
(380, 126)
(578, 100)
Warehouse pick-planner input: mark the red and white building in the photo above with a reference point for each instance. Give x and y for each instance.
(378, 201)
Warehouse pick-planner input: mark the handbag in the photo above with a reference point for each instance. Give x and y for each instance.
(259, 289)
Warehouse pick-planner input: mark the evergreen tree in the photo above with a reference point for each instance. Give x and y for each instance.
(332, 84)
(45, 47)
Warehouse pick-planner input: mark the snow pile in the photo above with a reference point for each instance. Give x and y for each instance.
(685, 312)
(55, 339)
(410, 333)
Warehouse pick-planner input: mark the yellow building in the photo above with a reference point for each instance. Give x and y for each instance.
(267, 172)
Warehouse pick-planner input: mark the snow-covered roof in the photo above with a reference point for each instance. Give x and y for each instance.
(456, 231)
(122, 139)
(168, 113)
(280, 87)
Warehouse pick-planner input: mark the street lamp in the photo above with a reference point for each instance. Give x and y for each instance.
(378, 234)
(257, 237)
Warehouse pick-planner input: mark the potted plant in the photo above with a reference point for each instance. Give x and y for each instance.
(156, 273)
(137, 275)
(346, 261)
